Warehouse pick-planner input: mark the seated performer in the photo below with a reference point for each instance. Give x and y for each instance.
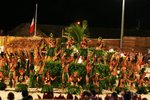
(96, 80)
(74, 79)
(20, 79)
(47, 78)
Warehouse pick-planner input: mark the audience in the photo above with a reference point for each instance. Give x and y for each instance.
(10, 96)
(69, 96)
(114, 96)
(85, 95)
(48, 95)
(127, 96)
(25, 95)
(30, 97)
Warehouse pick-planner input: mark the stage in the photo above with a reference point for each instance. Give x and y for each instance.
(34, 93)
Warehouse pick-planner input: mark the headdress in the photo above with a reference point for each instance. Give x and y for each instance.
(51, 35)
(22, 70)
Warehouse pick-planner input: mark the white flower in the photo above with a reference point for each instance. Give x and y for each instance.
(36, 68)
(27, 59)
(75, 49)
(122, 55)
(80, 60)
(111, 50)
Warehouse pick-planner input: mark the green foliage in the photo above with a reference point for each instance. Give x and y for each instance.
(142, 90)
(119, 89)
(21, 87)
(142, 70)
(47, 88)
(99, 53)
(102, 69)
(81, 69)
(83, 52)
(74, 90)
(76, 31)
(54, 68)
(148, 87)
(77, 67)
(33, 82)
(57, 83)
(61, 42)
(109, 55)
(2, 86)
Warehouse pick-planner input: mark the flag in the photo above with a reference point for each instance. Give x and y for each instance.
(32, 26)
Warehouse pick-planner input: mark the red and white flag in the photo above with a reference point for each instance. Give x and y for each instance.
(32, 26)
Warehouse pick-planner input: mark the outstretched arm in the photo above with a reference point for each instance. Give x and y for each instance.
(43, 66)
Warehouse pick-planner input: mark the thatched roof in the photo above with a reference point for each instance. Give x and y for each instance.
(55, 29)
(23, 31)
(25, 44)
(45, 30)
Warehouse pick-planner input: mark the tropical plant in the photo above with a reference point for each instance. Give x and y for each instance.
(75, 31)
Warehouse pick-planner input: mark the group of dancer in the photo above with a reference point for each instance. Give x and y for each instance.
(121, 69)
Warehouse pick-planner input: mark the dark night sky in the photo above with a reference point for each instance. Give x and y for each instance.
(98, 13)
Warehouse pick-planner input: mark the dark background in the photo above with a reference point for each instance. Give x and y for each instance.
(98, 13)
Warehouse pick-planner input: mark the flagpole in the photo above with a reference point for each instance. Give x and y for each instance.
(122, 25)
(35, 19)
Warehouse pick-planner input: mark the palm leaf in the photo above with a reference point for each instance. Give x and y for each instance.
(76, 31)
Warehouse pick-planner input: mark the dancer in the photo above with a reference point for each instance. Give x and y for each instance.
(51, 49)
(83, 48)
(47, 78)
(20, 79)
(74, 79)
(100, 44)
(12, 73)
(66, 58)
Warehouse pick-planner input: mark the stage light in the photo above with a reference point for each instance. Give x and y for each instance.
(78, 22)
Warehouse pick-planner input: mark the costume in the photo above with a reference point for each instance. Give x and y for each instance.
(83, 52)
(68, 52)
(47, 85)
(2, 84)
(51, 52)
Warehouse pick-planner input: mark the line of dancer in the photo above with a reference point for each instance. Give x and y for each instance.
(102, 68)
